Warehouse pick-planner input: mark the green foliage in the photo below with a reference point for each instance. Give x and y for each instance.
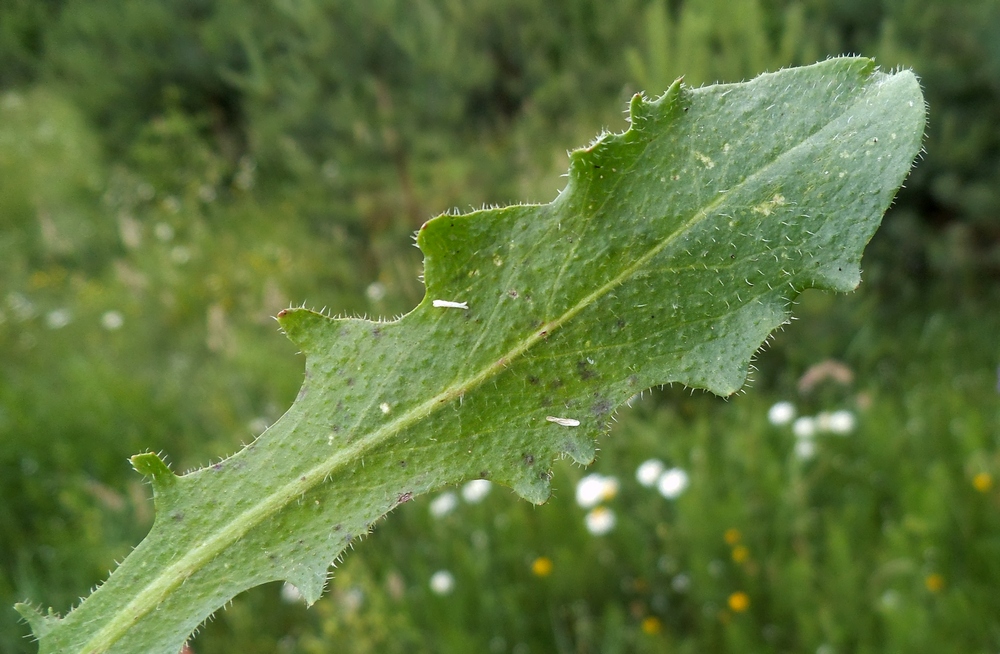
(948, 223)
(712, 41)
(558, 313)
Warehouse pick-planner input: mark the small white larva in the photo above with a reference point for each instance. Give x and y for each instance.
(448, 304)
(565, 422)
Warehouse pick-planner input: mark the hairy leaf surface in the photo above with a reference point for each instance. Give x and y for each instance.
(673, 252)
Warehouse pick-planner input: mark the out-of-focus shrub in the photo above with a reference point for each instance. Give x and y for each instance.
(948, 218)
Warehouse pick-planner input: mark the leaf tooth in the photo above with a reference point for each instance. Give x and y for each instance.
(162, 478)
(151, 465)
(304, 327)
(41, 624)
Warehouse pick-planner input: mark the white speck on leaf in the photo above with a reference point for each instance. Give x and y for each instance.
(385, 408)
(448, 304)
(565, 422)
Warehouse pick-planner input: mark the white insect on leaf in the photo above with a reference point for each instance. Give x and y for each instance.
(565, 422)
(448, 304)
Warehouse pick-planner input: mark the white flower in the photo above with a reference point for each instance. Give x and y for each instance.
(180, 254)
(58, 318)
(444, 504)
(594, 489)
(112, 320)
(842, 422)
(649, 471)
(805, 448)
(375, 291)
(352, 599)
(672, 483)
(890, 600)
(163, 231)
(291, 594)
(20, 306)
(474, 491)
(258, 425)
(781, 413)
(804, 427)
(442, 582)
(600, 521)
(681, 583)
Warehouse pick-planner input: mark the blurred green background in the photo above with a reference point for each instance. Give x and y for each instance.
(174, 172)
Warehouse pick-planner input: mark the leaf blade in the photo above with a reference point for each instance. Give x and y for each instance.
(653, 266)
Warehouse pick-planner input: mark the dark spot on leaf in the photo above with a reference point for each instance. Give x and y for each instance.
(178, 516)
(217, 466)
(533, 380)
(584, 370)
(402, 464)
(377, 332)
(529, 459)
(620, 324)
(513, 293)
(633, 380)
(484, 474)
(335, 428)
(350, 381)
(602, 407)
(337, 527)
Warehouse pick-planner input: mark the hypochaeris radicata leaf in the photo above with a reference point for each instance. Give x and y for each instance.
(674, 250)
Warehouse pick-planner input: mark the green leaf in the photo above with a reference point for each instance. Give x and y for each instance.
(673, 252)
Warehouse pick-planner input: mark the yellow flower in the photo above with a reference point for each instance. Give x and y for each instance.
(740, 554)
(934, 582)
(739, 602)
(651, 626)
(982, 482)
(542, 566)
(732, 536)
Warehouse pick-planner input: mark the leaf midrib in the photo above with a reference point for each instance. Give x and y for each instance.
(173, 576)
